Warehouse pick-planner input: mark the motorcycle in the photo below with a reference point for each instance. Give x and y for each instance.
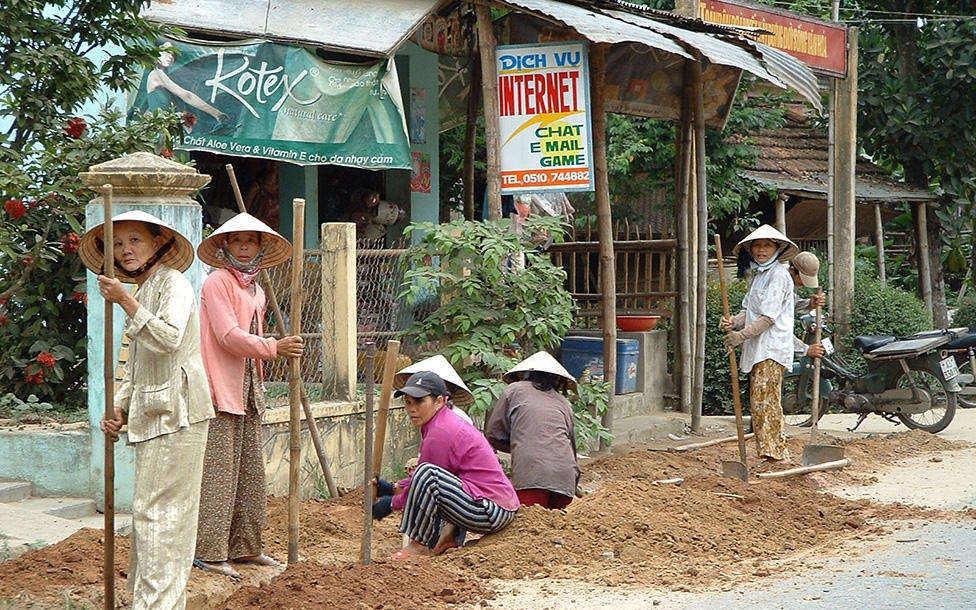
(963, 349)
(913, 379)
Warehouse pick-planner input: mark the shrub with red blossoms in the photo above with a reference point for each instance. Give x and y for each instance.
(15, 207)
(76, 127)
(46, 359)
(37, 377)
(69, 243)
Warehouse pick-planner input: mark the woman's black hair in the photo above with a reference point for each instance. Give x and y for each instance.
(544, 382)
(743, 263)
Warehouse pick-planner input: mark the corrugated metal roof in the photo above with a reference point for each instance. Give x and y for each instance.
(597, 27)
(615, 26)
(361, 27)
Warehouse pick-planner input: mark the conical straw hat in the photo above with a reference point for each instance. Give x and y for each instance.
(459, 392)
(279, 249)
(542, 362)
(92, 254)
(768, 232)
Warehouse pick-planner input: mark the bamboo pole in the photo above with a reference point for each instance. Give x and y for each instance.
(608, 273)
(108, 270)
(701, 275)
(471, 136)
(295, 381)
(366, 550)
(489, 85)
(879, 239)
(265, 280)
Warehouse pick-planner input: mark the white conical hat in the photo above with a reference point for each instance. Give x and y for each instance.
(459, 392)
(768, 232)
(179, 256)
(542, 362)
(279, 250)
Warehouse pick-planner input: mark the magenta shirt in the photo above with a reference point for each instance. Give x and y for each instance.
(458, 447)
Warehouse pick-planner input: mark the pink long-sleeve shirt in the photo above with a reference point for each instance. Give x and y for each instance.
(226, 311)
(458, 447)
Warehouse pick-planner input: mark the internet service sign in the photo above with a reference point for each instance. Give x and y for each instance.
(544, 123)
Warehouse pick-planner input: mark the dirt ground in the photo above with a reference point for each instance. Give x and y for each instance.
(705, 534)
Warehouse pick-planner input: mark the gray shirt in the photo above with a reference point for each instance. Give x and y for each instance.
(537, 428)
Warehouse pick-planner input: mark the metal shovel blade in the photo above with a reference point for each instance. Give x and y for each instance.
(735, 470)
(814, 455)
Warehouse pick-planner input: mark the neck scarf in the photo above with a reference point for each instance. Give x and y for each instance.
(244, 272)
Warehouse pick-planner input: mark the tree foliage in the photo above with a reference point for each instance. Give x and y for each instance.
(48, 71)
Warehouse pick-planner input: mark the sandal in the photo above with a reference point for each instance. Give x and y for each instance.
(440, 548)
(258, 560)
(217, 567)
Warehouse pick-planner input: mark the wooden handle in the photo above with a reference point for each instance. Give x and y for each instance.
(815, 398)
(386, 391)
(736, 399)
(108, 270)
(295, 381)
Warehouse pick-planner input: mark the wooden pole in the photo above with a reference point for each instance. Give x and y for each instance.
(815, 400)
(471, 136)
(489, 84)
(366, 550)
(108, 270)
(295, 381)
(698, 387)
(265, 280)
(924, 262)
(736, 397)
(608, 267)
(386, 392)
(879, 240)
(683, 203)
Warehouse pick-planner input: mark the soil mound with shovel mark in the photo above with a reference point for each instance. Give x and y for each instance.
(707, 533)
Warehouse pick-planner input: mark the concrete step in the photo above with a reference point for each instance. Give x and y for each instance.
(66, 508)
(15, 491)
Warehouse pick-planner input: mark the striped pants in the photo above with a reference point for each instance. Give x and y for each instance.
(436, 495)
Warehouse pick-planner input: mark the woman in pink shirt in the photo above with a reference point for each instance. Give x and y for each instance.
(233, 499)
(458, 481)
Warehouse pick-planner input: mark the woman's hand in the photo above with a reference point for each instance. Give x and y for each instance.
(291, 346)
(726, 324)
(112, 289)
(111, 427)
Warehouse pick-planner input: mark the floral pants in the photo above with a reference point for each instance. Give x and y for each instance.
(765, 401)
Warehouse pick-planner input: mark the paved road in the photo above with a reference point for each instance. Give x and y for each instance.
(921, 565)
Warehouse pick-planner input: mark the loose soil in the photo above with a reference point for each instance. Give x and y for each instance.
(705, 533)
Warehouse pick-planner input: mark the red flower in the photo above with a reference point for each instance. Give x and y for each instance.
(166, 153)
(3, 300)
(15, 207)
(188, 119)
(81, 297)
(28, 260)
(76, 127)
(37, 377)
(4, 319)
(46, 359)
(69, 243)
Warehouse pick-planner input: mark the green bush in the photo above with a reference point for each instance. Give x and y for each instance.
(965, 315)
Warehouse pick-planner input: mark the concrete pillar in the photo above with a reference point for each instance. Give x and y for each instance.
(158, 186)
(339, 310)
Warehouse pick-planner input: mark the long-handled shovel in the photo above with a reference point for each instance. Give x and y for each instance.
(108, 270)
(368, 495)
(813, 454)
(740, 469)
(313, 429)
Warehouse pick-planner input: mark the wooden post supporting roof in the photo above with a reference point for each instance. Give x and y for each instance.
(489, 79)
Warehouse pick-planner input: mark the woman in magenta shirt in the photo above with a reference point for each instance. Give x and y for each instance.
(458, 481)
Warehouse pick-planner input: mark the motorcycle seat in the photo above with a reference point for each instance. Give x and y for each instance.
(965, 341)
(866, 343)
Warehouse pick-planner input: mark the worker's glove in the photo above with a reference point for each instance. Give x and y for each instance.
(737, 337)
(383, 487)
(382, 507)
(733, 339)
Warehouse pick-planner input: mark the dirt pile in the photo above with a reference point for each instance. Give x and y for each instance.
(705, 533)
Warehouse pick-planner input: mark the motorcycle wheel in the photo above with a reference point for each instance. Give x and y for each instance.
(943, 409)
(797, 404)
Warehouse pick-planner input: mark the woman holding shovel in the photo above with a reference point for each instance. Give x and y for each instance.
(163, 397)
(765, 332)
(233, 499)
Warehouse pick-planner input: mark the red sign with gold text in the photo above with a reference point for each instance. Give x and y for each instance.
(821, 45)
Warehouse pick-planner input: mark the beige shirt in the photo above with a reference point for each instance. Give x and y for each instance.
(164, 386)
